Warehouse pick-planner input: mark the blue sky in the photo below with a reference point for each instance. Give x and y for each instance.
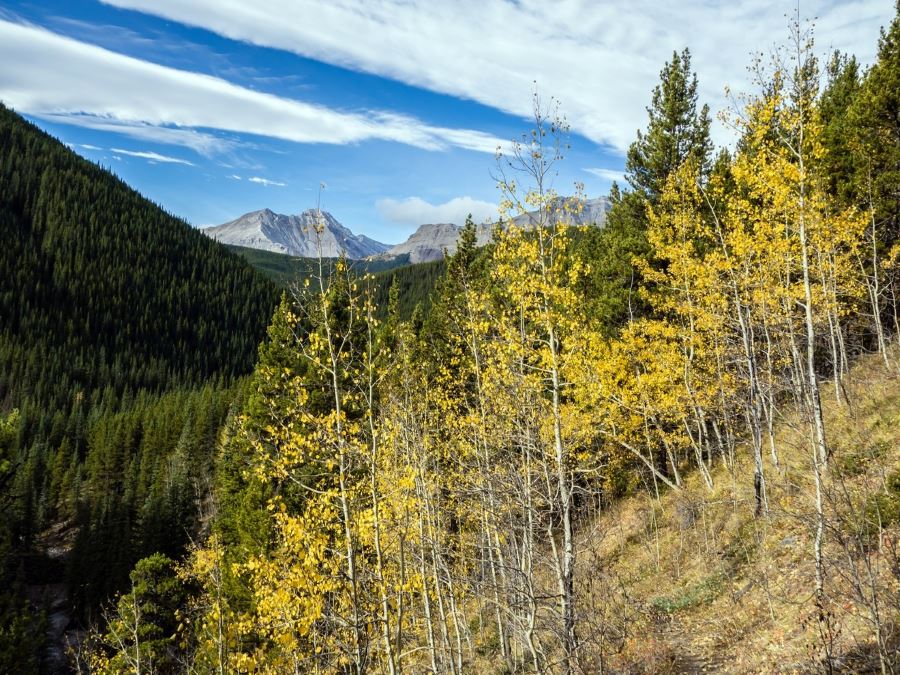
(214, 108)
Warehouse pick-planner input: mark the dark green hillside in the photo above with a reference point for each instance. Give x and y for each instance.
(99, 286)
(280, 268)
(284, 269)
(415, 286)
(415, 283)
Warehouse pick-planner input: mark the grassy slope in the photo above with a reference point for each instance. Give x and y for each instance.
(694, 582)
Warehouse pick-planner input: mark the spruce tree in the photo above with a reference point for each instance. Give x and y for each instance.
(676, 132)
(838, 97)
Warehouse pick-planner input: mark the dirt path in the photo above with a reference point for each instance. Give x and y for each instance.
(686, 658)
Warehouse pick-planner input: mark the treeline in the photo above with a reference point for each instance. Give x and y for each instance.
(287, 269)
(419, 495)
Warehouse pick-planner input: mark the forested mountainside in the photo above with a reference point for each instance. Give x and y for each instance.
(666, 445)
(123, 332)
(285, 269)
(102, 287)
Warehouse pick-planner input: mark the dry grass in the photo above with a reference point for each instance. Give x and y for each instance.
(695, 583)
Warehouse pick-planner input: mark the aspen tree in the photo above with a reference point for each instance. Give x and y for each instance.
(480, 423)
(313, 598)
(688, 296)
(535, 282)
(213, 620)
(784, 200)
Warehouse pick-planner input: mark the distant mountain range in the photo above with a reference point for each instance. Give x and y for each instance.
(294, 235)
(431, 240)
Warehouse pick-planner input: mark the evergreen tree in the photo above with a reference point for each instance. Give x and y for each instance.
(610, 286)
(875, 117)
(464, 269)
(142, 631)
(839, 166)
(242, 521)
(676, 131)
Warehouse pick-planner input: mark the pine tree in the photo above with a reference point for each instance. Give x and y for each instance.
(609, 287)
(142, 628)
(676, 132)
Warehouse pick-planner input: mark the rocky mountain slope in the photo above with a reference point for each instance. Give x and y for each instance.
(431, 240)
(573, 212)
(295, 235)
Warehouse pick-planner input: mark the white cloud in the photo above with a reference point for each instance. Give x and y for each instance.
(266, 182)
(234, 176)
(69, 81)
(152, 156)
(200, 142)
(416, 211)
(600, 59)
(88, 146)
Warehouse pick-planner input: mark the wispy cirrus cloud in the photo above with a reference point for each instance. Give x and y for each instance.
(600, 61)
(65, 80)
(416, 211)
(151, 156)
(266, 182)
(203, 143)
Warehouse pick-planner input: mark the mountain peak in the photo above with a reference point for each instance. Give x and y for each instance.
(295, 235)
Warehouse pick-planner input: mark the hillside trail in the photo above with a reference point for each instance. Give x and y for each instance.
(686, 658)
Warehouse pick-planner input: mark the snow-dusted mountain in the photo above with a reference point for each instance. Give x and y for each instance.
(295, 235)
(429, 241)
